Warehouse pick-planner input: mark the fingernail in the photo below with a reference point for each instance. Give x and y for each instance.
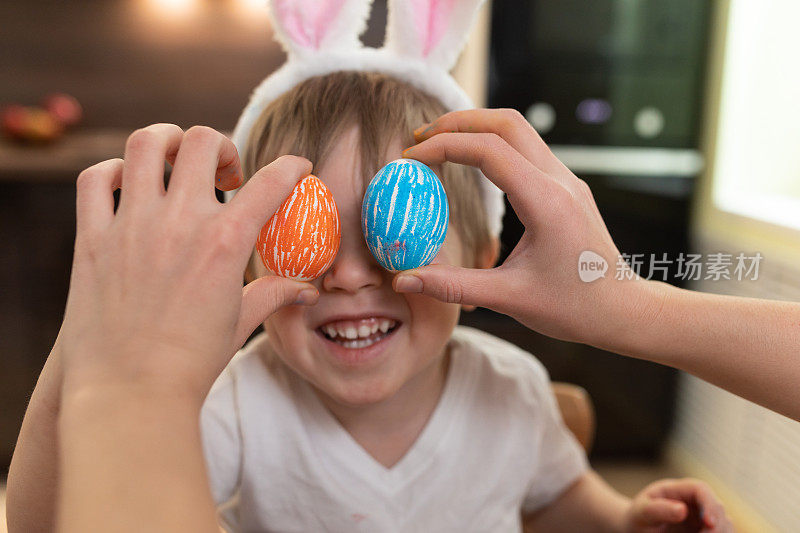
(419, 131)
(227, 174)
(306, 297)
(710, 521)
(408, 284)
(407, 151)
(229, 170)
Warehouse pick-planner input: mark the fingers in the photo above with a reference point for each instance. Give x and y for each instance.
(94, 199)
(711, 510)
(265, 192)
(206, 158)
(452, 285)
(487, 151)
(520, 179)
(695, 492)
(660, 511)
(264, 296)
(143, 172)
(506, 123)
(201, 157)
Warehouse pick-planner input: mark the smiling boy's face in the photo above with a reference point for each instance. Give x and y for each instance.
(362, 342)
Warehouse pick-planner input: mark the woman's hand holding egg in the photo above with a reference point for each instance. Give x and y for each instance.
(156, 291)
(538, 284)
(155, 310)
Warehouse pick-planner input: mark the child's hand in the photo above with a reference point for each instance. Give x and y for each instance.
(539, 283)
(677, 505)
(156, 293)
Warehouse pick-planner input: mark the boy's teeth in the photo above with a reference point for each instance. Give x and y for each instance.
(358, 343)
(357, 333)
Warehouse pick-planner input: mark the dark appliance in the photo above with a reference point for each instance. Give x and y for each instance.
(615, 88)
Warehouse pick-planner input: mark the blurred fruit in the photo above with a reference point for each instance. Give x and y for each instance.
(32, 124)
(64, 108)
(14, 119)
(42, 126)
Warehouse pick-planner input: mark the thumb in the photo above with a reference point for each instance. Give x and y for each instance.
(451, 284)
(264, 296)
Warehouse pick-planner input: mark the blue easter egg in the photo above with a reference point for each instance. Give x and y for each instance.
(404, 215)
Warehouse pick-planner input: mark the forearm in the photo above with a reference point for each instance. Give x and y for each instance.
(589, 505)
(33, 474)
(132, 461)
(748, 346)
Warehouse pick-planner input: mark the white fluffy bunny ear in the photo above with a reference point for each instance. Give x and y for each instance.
(307, 26)
(430, 30)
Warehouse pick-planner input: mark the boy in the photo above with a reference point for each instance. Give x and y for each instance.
(372, 411)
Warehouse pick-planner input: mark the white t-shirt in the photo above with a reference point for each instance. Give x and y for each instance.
(495, 445)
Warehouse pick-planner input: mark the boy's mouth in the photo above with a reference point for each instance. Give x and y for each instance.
(355, 334)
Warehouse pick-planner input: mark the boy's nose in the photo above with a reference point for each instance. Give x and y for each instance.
(354, 269)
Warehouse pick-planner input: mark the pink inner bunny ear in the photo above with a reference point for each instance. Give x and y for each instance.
(306, 21)
(431, 19)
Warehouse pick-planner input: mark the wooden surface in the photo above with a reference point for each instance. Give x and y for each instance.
(62, 160)
(131, 64)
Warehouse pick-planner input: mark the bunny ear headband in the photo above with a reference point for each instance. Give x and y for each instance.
(423, 40)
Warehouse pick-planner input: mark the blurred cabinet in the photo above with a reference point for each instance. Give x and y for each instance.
(37, 225)
(37, 232)
(615, 88)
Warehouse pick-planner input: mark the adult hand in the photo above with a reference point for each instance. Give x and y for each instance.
(539, 283)
(155, 311)
(155, 292)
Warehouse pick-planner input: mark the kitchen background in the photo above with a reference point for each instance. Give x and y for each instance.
(682, 115)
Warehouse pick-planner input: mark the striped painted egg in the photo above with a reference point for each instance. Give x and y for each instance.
(301, 239)
(404, 215)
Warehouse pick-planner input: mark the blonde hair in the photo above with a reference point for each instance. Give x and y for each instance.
(310, 118)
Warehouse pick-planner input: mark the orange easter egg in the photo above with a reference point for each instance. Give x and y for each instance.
(301, 239)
